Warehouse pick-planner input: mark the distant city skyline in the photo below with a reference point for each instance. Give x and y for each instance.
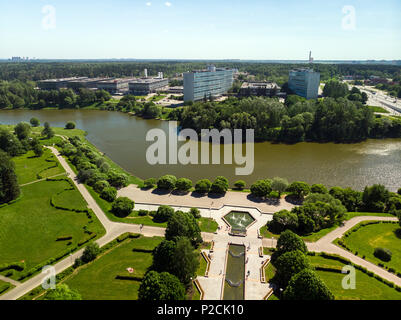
(204, 30)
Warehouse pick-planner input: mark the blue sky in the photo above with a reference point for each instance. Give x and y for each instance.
(202, 29)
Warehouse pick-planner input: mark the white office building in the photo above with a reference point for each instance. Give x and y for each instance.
(202, 84)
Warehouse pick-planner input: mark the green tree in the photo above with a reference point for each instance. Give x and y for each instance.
(150, 183)
(220, 185)
(47, 131)
(185, 261)
(167, 182)
(10, 144)
(35, 122)
(183, 224)
(307, 285)
(375, 198)
(203, 186)
(109, 194)
(38, 150)
(289, 264)
(22, 130)
(183, 184)
(289, 241)
(279, 185)
(195, 212)
(163, 213)
(9, 188)
(299, 188)
(163, 256)
(335, 89)
(90, 253)
(62, 292)
(240, 185)
(318, 188)
(161, 287)
(261, 188)
(122, 207)
(70, 125)
(283, 220)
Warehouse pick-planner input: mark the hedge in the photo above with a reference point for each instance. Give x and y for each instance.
(19, 266)
(5, 286)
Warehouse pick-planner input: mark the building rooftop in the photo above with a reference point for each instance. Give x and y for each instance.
(118, 80)
(64, 79)
(147, 80)
(264, 85)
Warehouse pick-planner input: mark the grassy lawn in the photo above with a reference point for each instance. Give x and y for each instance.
(208, 225)
(369, 237)
(378, 109)
(30, 168)
(350, 215)
(313, 237)
(30, 227)
(5, 286)
(97, 280)
(367, 288)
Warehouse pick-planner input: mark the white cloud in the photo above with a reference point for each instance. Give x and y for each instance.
(168, 4)
(148, 4)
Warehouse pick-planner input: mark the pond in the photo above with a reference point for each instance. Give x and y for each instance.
(122, 138)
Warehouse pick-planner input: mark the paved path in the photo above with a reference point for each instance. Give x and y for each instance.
(9, 280)
(32, 182)
(216, 209)
(231, 198)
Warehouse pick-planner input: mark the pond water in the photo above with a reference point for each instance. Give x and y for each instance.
(122, 138)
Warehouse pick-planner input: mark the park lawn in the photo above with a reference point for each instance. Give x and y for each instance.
(350, 215)
(367, 288)
(69, 199)
(270, 271)
(6, 286)
(378, 109)
(313, 237)
(97, 280)
(208, 225)
(372, 236)
(30, 227)
(30, 168)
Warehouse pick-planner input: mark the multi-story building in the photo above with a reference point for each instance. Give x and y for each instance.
(88, 83)
(265, 89)
(56, 84)
(202, 84)
(304, 83)
(142, 87)
(115, 86)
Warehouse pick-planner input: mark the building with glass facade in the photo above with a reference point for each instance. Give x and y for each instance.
(304, 83)
(202, 84)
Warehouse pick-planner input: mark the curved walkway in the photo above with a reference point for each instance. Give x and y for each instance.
(213, 283)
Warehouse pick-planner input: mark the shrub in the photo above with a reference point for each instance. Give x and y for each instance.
(167, 182)
(143, 213)
(122, 207)
(34, 122)
(319, 188)
(109, 194)
(90, 253)
(220, 185)
(100, 186)
(150, 183)
(70, 125)
(240, 185)
(383, 254)
(203, 186)
(261, 188)
(183, 184)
